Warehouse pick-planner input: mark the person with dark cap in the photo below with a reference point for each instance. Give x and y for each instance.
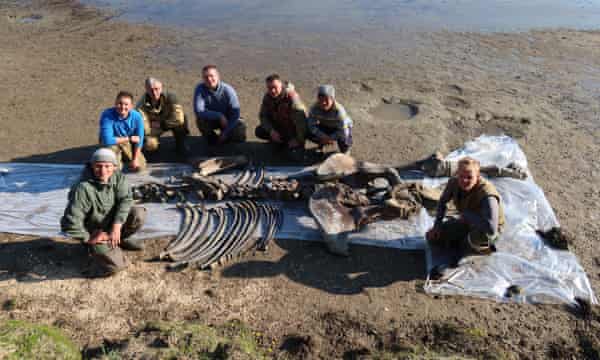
(282, 117)
(100, 213)
(162, 112)
(328, 121)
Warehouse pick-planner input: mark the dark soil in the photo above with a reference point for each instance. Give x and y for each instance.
(64, 63)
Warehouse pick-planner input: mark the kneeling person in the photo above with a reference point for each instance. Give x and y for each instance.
(481, 214)
(162, 112)
(282, 115)
(122, 129)
(100, 212)
(328, 121)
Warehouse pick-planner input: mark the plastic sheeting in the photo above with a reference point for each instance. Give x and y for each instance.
(33, 197)
(543, 274)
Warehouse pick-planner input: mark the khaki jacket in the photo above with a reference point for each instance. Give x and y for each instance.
(167, 115)
(472, 200)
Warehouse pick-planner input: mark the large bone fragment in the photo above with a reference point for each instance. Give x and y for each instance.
(219, 164)
(334, 219)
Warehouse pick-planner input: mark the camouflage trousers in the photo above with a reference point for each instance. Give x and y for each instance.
(463, 238)
(436, 166)
(124, 153)
(152, 135)
(112, 260)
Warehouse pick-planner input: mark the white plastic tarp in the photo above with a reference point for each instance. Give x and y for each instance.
(33, 197)
(522, 260)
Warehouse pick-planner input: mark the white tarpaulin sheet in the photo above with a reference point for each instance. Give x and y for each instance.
(522, 260)
(33, 198)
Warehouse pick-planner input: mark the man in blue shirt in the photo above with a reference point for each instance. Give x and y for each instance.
(122, 130)
(217, 108)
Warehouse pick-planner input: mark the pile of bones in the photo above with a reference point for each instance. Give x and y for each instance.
(351, 192)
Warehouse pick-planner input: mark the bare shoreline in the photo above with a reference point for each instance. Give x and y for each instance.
(60, 71)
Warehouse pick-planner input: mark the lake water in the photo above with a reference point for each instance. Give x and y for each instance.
(347, 16)
(350, 38)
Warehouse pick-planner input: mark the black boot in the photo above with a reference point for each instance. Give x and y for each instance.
(181, 147)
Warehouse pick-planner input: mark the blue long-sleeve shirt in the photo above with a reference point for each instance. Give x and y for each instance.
(112, 126)
(223, 100)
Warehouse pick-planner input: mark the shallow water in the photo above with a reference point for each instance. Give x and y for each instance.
(351, 15)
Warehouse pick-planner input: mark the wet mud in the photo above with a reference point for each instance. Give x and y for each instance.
(61, 70)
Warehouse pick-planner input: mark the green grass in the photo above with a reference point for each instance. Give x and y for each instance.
(23, 340)
(189, 340)
(410, 352)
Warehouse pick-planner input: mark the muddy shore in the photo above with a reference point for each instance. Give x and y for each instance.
(63, 67)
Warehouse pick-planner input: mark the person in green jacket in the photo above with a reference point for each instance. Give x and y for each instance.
(100, 212)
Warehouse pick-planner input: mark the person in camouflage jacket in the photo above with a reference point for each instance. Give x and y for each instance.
(162, 112)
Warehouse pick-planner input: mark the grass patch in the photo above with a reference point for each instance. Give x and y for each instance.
(175, 340)
(451, 338)
(413, 352)
(23, 340)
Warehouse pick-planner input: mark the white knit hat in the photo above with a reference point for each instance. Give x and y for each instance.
(104, 155)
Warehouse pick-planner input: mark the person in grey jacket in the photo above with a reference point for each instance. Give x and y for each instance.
(217, 107)
(100, 212)
(328, 122)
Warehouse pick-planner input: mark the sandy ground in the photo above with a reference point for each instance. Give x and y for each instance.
(541, 87)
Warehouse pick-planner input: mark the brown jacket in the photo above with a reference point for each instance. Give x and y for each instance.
(286, 114)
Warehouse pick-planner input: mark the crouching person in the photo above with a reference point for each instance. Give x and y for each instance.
(328, 121)
(101, 215)
(217, 108)
(282, 117)
(162, 112)
(122, 129)
(480, 213)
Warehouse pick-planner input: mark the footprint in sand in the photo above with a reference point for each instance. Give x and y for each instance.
(390, 110)
(455, 102)
(513, 126)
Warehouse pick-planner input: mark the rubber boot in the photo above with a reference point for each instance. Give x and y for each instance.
(181, 147)
(238, 134)
(135, 220)
(108, 261)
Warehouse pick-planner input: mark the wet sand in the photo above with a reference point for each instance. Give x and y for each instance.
(61, 69)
